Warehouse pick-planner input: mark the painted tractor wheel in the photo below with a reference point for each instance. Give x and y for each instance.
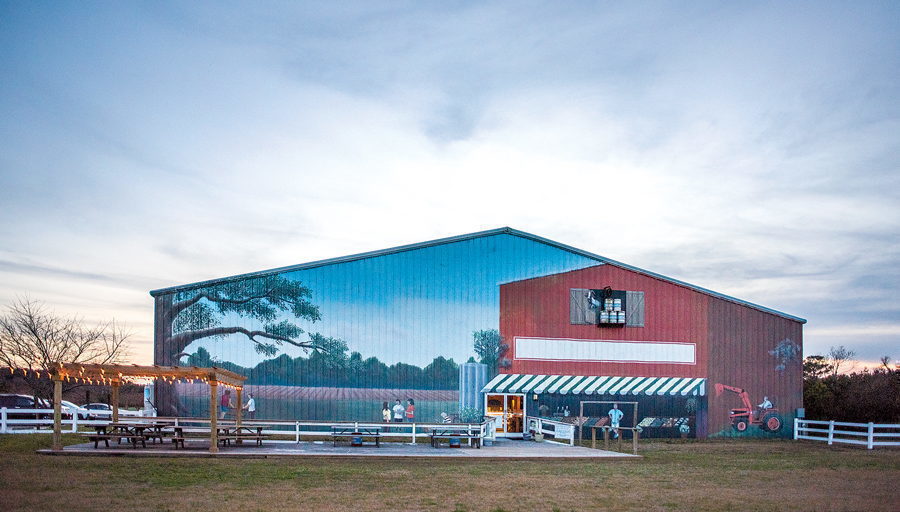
(772, 422)
(741, 424)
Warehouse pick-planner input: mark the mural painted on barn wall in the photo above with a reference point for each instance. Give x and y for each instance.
(763, 418)
(336, 341)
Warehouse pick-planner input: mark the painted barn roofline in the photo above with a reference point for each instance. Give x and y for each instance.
(461, 238)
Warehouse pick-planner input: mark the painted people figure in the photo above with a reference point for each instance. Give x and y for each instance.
(766, 404)
(386, 414)
(251, 407)
(398, 412)
(225, 404)
(615, 416)
(410, 410)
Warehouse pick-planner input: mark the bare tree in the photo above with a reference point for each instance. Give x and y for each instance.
(838, 357)
(34, 338)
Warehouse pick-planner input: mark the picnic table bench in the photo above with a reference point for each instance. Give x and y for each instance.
(238, 434)
(353, 432)
(451, 433)
(131, 432)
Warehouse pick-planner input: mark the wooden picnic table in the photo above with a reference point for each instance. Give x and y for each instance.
(454, 432)
(239, 434)
(224, 434)
(133, 432)
(351, 432)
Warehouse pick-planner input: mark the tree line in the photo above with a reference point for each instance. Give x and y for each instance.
(859, 396)
(339, 369)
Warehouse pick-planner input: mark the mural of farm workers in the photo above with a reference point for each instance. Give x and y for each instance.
(615, 416)
(399, 411)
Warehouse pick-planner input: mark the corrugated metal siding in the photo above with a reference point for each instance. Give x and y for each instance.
(736, 345)
(411, 310)
(539, 307)
(741, 344)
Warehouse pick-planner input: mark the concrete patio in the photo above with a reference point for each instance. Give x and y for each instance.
(501, 449)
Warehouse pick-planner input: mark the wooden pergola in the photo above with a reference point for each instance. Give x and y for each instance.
(114, 375)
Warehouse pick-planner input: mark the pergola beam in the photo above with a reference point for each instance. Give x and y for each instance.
(115, 372)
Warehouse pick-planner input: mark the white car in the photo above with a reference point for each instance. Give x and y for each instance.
(98, 407)
(70, 408)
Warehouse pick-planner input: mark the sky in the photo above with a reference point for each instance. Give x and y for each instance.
(749, 148)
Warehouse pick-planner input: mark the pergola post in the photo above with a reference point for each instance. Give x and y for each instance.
(57, 413)
(114, 398)
(213, 416)
(239, 407)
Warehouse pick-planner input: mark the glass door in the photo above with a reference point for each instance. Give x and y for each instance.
(515, 414)
(509, 410)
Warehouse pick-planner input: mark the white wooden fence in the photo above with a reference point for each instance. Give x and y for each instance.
(868, 434)
(288, 428)
(41, 420)
(563, 433)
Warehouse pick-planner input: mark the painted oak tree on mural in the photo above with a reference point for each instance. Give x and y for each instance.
(202, 313)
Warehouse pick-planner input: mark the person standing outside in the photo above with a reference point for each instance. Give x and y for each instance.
(225, 404)
(251, 407)
(386, 414)
(410, 410)
(398, 412)
(615, 416)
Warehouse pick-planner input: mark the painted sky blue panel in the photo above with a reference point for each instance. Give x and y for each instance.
(412, 306)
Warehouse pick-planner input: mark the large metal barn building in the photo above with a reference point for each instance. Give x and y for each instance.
(499, 322)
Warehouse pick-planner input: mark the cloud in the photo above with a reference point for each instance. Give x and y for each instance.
(747, 149)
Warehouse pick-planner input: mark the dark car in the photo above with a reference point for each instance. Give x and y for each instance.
(13, 402)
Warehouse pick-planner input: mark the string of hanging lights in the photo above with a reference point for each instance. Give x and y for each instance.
(134, 374)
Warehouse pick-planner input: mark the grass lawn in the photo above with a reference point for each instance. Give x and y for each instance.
(695, 476)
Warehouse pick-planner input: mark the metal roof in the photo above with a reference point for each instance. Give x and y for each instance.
(461, 238)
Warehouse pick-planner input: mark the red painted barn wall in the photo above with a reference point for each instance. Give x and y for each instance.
(734, 342)
(540, 308)
(742, 340)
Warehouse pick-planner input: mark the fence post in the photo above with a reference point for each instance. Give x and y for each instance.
(74, 421)
(831, 432)
(796, 428)
(871, 440)
(413, 433)
(297, 431)
(3, 420)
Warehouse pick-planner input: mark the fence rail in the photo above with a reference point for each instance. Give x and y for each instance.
(868, 434)
(295, 429)
(563, 433)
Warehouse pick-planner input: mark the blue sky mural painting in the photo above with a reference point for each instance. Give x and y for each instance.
(403, 320)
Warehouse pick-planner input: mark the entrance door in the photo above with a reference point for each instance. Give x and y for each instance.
(509, 409)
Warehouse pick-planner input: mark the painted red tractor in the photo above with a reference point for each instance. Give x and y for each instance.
(742, 417)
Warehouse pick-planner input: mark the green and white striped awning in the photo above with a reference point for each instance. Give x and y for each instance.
(582, 385)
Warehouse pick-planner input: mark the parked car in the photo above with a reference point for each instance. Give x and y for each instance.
(93, 408)
(70, 408)
(13, 401)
